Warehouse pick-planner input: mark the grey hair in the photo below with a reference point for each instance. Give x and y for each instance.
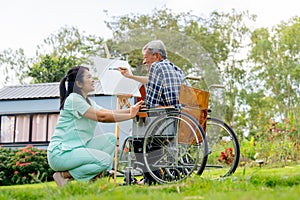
(156, 46)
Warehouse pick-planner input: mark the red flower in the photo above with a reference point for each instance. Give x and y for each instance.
(22, 164)
(126, 150)
(25, 164)
(226, 156)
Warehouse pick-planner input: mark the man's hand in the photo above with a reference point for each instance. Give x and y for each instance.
(125, 72)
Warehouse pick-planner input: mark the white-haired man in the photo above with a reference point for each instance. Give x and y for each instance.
(162, 89)
(164, 79)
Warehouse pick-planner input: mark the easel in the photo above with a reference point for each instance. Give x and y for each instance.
(122, 100)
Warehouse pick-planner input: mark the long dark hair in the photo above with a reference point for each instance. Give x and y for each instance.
(74, 74)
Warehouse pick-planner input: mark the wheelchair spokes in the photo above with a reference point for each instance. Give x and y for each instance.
(164, 151)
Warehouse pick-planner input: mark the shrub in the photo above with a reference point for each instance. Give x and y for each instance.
(4, 169)
(276, 145)
(23, 166)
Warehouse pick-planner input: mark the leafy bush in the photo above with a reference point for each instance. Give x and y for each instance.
(4, 169)
(23, 166)
(277, 145)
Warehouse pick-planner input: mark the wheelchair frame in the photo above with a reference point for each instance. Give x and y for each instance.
(211, 150)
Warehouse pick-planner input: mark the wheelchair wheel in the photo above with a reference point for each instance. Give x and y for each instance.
(223, 149)
(170, 157)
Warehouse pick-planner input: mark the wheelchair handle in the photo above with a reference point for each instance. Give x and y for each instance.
(216, 86)
(193, 78)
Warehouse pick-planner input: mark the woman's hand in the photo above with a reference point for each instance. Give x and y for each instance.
(135, 108)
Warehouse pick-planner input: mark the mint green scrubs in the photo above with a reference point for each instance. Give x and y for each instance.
(74, 147)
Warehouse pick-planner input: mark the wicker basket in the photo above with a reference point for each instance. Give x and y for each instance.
(195, 103)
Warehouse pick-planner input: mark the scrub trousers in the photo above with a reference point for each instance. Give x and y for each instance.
(84, 163)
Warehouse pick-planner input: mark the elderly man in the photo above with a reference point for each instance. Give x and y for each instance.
(164, 79)
(162, 89)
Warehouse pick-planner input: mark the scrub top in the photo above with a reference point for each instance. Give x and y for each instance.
(72, 129)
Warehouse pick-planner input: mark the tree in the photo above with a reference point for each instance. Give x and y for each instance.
(51, 69)
(132, 32)
(13, 63)
(276, 61)
(223, 35)
(59, 51)
(207, 46)
(69, 41)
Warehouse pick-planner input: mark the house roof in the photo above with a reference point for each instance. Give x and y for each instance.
(34, 91)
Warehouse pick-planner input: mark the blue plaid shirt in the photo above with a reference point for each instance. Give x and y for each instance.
(163, 84)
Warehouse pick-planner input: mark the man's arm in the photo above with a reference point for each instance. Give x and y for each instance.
(141, 79)
(125, 72)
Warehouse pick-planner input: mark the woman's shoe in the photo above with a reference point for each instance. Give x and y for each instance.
(141, 182)
(100, 175)
(59, 179)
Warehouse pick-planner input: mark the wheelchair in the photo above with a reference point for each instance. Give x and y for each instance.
(170, 144)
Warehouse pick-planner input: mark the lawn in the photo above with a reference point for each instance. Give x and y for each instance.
(246, 183)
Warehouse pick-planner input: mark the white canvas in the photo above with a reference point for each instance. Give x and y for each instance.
(112, 81)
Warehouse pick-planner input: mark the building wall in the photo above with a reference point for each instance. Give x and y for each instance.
(29, 106)
(42, 107)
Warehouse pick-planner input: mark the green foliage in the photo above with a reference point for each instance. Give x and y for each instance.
(51, 69)
(23, 166)
(276, 60)
(259, 86)
(277, 146)
(13, 61)
(259, 68)
(61, 51)
(204, 47)
(5, 170)
(247, 150)
(70, 42)
(67, 47)
(159, 19)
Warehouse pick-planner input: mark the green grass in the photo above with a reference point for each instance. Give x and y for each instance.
(246, 183)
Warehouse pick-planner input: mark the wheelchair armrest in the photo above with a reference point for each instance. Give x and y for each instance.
(145, 112)
(160, 109)
(157, 109)
(142, 114)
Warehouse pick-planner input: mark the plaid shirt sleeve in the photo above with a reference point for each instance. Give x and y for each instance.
(163, 84)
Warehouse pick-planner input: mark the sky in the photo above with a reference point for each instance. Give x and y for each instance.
(25, 23)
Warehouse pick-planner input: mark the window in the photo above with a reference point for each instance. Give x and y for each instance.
(22, 128)
(52, 121)
(27, 127)
(7, 128)
(39, 127)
